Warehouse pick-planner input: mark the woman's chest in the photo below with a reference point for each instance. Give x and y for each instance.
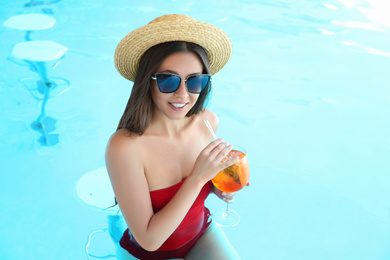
(167, 163)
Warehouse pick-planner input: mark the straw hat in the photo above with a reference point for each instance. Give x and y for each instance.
(167, 28)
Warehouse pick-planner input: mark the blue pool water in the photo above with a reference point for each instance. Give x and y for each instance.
(306, 92)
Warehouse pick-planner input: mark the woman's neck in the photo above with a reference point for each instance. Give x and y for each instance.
(161, 125)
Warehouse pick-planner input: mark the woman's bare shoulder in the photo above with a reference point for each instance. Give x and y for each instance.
(211, 117)
(122, 144)
(123, 139)
(124, 164)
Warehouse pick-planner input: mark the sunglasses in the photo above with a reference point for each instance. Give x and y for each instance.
(169, 83)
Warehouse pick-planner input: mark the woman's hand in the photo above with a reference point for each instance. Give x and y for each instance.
(227, 197)
(211, 160)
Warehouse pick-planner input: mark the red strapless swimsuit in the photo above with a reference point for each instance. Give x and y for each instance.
(194, 224)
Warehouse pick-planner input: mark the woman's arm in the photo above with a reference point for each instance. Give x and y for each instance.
(131, 189)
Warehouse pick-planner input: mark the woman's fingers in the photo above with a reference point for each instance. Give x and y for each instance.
(229, 160)
(214, 158)
(220, 147)
(211, 146)
(225, 196)
(220, 150)
(228, 197)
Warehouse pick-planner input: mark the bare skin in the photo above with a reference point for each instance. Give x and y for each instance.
(174, 147)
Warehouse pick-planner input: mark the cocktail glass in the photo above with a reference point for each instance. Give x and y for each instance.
(231, 179)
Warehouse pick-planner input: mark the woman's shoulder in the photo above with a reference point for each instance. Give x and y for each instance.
(122, 155)
(123, 141)
(211, 117)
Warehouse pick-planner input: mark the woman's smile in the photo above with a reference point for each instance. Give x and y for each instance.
(178, 106)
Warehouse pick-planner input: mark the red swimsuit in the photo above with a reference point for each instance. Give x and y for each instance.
(194, 224)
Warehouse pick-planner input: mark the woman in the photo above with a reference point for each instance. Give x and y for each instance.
(161, 160)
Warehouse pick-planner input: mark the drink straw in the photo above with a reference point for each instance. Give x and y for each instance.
(210, 129)
(213, 133)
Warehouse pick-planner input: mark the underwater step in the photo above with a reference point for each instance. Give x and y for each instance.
(30, 22)
(39, 50)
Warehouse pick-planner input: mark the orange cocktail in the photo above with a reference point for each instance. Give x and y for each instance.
(234, 177)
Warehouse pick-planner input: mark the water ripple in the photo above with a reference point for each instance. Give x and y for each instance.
(367, 49)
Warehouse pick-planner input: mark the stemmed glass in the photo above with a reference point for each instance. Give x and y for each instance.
(231, 179)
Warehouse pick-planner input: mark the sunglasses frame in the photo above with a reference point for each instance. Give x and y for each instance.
(185, 80)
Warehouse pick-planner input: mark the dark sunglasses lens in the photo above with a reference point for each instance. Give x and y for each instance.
(196, 84)
(168, 83)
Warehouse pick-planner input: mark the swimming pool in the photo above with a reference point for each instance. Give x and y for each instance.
(306, 92)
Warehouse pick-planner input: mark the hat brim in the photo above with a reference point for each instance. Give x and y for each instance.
(130, 49)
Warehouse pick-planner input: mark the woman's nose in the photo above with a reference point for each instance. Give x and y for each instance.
(182, 90)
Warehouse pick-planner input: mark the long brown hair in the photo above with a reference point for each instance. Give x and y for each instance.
(139, 110)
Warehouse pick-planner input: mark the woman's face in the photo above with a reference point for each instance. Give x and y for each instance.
(177, 104)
